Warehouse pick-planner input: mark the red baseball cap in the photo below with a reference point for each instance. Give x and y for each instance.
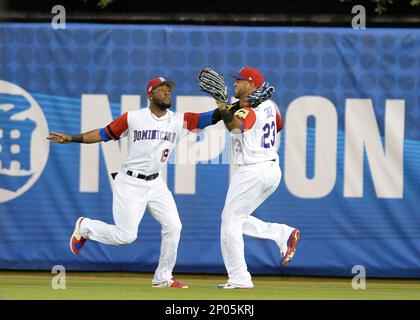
(250, 74)
(156, 82)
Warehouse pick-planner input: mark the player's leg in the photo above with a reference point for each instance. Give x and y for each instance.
(163, 208)
(277, 232)
(128, 209)
(246, 192)
(258, 228)
(282, 234)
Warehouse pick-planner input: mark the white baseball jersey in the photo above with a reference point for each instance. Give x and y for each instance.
(150, 138)
(256, 142)
(150, 142)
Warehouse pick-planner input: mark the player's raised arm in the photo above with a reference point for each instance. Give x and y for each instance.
(193, 121)
(231, 121)
(87, 137)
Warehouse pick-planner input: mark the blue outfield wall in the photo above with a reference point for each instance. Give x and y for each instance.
(349, 152)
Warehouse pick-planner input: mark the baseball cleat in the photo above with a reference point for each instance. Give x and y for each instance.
(228, 286)
(172, 283)
(76, 239)
(291, 247)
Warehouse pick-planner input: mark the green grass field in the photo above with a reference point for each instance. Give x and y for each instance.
(17, 285)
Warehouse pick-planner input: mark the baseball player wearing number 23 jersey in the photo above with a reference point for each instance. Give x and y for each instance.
(253, 132)
(152, 134)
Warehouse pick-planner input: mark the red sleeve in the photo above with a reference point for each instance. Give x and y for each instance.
(191, 120)
(247, 117)
(117, 127)
(279, 122)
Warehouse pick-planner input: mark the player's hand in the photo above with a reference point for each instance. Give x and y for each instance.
(260, 95)
(59, 137)
(220, 104)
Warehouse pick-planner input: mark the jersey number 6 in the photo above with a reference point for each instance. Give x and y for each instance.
(165, 154)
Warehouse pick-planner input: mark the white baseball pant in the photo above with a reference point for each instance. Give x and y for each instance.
(131, 197)
(250, 186)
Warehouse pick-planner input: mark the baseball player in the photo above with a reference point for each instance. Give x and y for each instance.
(253, 129)
(152, 134)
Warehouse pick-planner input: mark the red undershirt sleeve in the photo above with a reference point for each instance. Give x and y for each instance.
(117, 127)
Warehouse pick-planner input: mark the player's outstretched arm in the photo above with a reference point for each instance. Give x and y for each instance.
(87, 137)
(208, 118)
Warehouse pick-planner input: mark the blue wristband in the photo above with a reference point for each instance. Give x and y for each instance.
(205, 120)
(104, 135)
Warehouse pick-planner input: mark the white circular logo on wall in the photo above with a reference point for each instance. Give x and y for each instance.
(23, 146)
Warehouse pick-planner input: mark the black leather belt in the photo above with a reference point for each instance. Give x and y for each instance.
(142, 176)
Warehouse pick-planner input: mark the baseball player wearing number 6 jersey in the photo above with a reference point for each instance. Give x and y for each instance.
(152, 134)
(253, 133)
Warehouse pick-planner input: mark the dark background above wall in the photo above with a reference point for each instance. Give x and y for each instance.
(262, 12)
